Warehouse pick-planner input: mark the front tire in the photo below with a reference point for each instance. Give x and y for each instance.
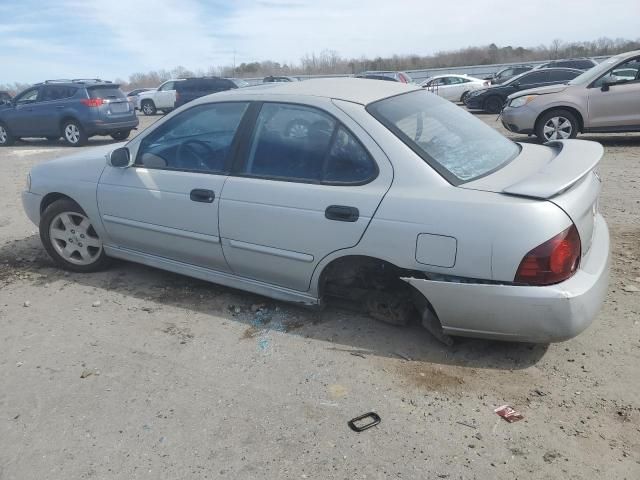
(557, 125)
(148, 107)
(6, 139)
(493, 104)
(74, 134)
(70, 239)
(121, 135)
(463, 97)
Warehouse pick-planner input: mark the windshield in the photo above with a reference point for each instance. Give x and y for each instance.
(455, 143)
(593, 73)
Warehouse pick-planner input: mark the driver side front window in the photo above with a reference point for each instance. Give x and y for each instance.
(29, 96)
(198, 140)
(626, 72)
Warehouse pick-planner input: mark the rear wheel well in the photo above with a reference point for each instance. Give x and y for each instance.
(575, 112)
(65, 120)
(375, 286)
(53, 197)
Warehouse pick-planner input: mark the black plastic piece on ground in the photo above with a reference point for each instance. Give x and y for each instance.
(375, 421)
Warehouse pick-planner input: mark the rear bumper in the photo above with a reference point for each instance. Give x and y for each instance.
(519, 313)
(31, 204)
(100, 127)
(519, 120)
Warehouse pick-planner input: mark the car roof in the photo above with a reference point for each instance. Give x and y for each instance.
(356, 90)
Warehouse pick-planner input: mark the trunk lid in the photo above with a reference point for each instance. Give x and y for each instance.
(561, 172)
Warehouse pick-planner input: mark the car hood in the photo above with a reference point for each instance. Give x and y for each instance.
(85, 166)
(148, 93)
(540, 90)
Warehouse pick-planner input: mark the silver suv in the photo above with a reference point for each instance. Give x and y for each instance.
(605, 98)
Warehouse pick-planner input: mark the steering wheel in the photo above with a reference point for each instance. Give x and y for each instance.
(195, 154)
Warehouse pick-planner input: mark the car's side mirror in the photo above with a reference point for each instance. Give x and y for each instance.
(120, 158)
(605, 87)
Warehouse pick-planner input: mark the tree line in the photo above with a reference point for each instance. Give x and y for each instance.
(329, 62)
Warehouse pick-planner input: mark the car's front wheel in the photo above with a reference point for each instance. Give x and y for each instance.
(6, 139)
(74, 134)
(121, 135)
(493, 104)
(70, 239)
(557, 125)
(148, 107)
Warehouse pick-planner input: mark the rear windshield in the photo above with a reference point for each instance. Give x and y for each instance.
(105, 92)
(455, 143)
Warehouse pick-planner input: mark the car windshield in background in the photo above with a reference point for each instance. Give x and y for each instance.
(105, 92)
(457, 145)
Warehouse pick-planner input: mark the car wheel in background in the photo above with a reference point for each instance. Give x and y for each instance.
(463, 96)
(73, 133)
(557, 125)
(493, 104)
(297, 128)
(70, 239)
(6, 139)
(148, 107)
(121, 135)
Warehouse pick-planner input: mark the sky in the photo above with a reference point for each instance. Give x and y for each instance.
(42, 39)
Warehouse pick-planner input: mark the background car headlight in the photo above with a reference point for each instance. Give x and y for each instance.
(28, 184)
(521, 101)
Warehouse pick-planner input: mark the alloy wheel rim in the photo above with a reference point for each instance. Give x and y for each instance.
(74, 238)
(3, 135)
(147, 108)
(72, 133)
(557, 128)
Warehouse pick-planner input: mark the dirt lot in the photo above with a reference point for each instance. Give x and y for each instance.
(136, 373)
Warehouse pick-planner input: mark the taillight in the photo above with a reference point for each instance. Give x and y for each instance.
(402, 78)
(92, 102)
(552, 262)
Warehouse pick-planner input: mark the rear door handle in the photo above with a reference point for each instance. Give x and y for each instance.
(204, 196)
(342, 213)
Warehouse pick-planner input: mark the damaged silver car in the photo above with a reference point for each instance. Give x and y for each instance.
(376, 191)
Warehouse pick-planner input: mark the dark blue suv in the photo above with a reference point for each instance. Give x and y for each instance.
(72, 109)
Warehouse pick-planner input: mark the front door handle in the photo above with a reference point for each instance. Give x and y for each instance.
(204, 196)
(342, 213)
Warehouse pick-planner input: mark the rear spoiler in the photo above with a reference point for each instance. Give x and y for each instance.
(574, 159)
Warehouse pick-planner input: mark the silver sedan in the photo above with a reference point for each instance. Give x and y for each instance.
(376, 191)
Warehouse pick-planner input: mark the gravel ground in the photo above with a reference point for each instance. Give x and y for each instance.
(137, 373)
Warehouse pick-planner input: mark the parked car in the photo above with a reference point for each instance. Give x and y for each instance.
(578, 63)
(132, 96)
(453, 87)
(507, 73)
(5, 98)
(192, 88)
(401, 77)
(162, 98)
(72, 109)
(605, 98)
(393, 196)
(280, 79)
(493, 98)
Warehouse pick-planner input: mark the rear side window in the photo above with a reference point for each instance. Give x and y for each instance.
(456, 144)
(57, 93)
(105, 92)
(299, 143)
(562, 75)
(541, 76)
